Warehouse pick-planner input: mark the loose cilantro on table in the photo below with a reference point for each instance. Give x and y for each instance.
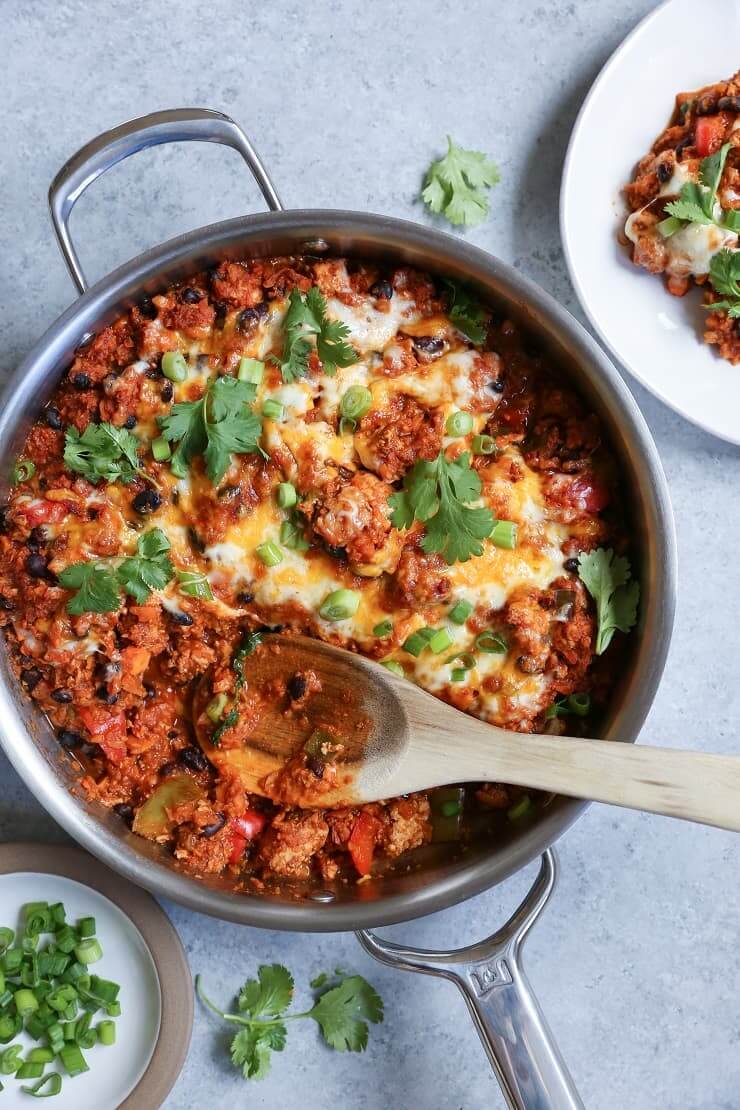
(455, 185)
(467, 314)
(438, 494)
(342, 1013)
(98, 584)
(724, 274)
(306, 316)
(696, 200)
(219, 424)
(607, 577)
(102, 452)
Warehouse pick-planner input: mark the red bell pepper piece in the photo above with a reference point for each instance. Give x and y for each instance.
(242, 830)
(44, 512)
(710, 131)
(361, 842)
(108, 730)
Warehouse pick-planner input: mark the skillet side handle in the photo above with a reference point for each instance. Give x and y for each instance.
(99, 155)
(510, 1023)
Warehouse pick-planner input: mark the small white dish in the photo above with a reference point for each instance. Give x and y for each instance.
(657, 337)
(115, 1071)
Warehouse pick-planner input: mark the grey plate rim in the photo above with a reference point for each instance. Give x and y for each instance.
(162, 940)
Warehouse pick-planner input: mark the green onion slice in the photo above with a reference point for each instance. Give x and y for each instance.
(46, 1087)
(194, 583)
(269, 554)
(459, 424)
(251, 370)
(355, 402)
(460, 612)
(519, 808)
(174, 366)
(287, 495)
(484, 445)
(23, 470)
(340, 605)
(491, 643)
(504, 534)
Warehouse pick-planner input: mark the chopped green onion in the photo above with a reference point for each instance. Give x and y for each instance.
(286, 495)
(292, 537)
(113, 1009)
(484, 445)
(460, 612)
(503, 534)
(52, 1081)
(40, 1056)
(67, 939)
(30, 1071)
(450, 809)
(464, 659)
(23, 470)
(458, 674)
(174, 366)
(418, 640)
(26, 1002)
(194, 583)
(105, 989)
(86, 927)
(519, 808)
(670, 226)
(251, 370)
(37, 917)
(347, 427)
(89, 951)
(272, 409)
(161, 449)
(459, 424)
(10, 1059)
(579, 704)
(440, 641)
(491, 643)
(394, 667)
(215, 708)
(58, 914)
(355, 402)
(73, 1060)
(339, 605)
(7, 936)
(383, 629)
(107, 1032)
(269, 554)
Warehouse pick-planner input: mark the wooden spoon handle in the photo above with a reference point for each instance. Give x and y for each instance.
(690, 785)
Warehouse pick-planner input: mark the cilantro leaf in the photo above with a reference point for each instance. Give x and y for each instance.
(607, 577)
(467, 314)
(102, 452)
(344, 1011)
(270, 994)
(150, 569)
(696, 201)
(437, 493)
(251, 1048)
(216, 426)
(724, 274)
(455, 185)
(96, 588)
(306, 316)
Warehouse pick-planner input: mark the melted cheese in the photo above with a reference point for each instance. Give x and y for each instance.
(370, 330)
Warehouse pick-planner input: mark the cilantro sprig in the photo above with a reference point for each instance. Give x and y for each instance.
(306, 317)
(342, 1013)
(98, 584)
(220, 424)
(438, 493)
(455, 186)
(103, 452)
(696, 201)
(467, 314)
(249, 644)
(724, 274)
(608, 578)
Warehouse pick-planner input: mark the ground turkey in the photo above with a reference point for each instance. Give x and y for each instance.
(291, 841)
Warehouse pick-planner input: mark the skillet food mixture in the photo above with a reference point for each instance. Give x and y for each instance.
(366, 456)
(685, 201)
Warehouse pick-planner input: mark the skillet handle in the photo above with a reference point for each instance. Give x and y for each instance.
(510, 1023)
(99, 155)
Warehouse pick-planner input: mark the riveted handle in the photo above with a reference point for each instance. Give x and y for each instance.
(96, 157)
(510, 1023)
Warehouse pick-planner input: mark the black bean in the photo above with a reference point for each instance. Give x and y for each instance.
(216, 826)
(571, 565)
(182, 618)
(52, 417)
(196, 541)
(36, 565)
(190, 295)
(429, 344)
(125, 812)
(296, 686)
(245, 597)
(529, 664)
(4, 519)
(271, 628)
(682, 146)
(167, 768)
(665, 170)
(383, 290)
(92, 512)
(130, 422)
(262, 309)
(148, 309)
(221, 313)
(729, 104)
(154, 373)
(316, 766)
(706, 104)
(247, 321)
(496, 385)
(167, 392)
(37, 537)
(148, 501)
(150, 691)
(6, 604)
(62, 696)
(103, 694)
(30, 677)
(81, 381)
(192, 758)
(69, 739)
(108, 671)
(228, 493)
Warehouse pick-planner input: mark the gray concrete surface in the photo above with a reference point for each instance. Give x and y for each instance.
(636, 962)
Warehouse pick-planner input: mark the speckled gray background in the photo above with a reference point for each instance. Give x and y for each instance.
(636, 962)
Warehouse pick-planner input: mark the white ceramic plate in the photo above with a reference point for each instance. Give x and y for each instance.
(114, 1071)
(680, 46)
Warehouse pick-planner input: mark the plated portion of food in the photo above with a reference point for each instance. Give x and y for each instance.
(368, 457)
(685, 202)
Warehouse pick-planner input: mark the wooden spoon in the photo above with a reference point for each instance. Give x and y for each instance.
(396, 738)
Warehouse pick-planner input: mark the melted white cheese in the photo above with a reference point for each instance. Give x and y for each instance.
(370, 330)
